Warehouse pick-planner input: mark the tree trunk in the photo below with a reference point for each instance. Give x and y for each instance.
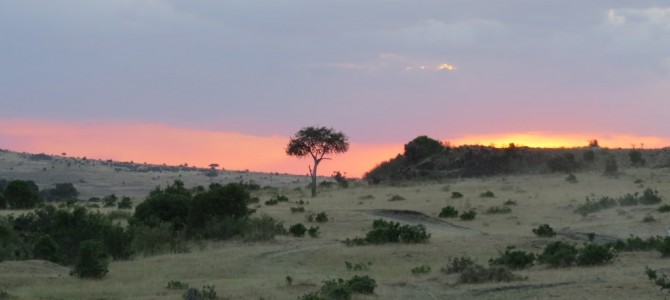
(316, 163)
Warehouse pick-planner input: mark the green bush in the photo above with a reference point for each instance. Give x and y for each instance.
(544, 230)
(628, 200)
(3, 201)
(157, 240)
(421, 148)
(396, 198)
(313, 231)
(46, 248)
(593, 254)
(479, 274)
(510, 202)
(21, 194)
(109, 200)
(219, 201)
(92, 261)
(392, 232)
(298, 209)
(611, 167)
(366, 197)
(359, 266)
(558, 254)
(125, 203)
(362, 284)
(664, 208)
(298, 230)
(176, 285)
(664, 247)
(592, 206)
(634, 243)
(648, 219)
(164, 206)
(448, 212)
(336, 289)
(571, 178)
(468, 215)
(661, 281)
(61, 191)
(263, 228)
(495, 210)
(487, 194)
(206, 293)
(636, 158)
(514, 259)
(456, 195)
(321, 217)
(271, 202)
(458, 264)
(423, 269)
(565, 163)
(650, 197)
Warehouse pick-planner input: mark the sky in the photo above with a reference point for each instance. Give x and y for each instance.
(230, 81)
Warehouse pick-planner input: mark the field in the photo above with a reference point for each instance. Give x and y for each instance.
(241, 270)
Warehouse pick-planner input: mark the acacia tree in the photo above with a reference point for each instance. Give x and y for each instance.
(317, 142)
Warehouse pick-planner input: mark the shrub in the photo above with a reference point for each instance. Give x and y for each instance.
(593, 254)
(206, 293)
(280, 198)
(479, 274)
(592, 206)
(92, 261)
(109, 200)
(650, 197)
(664, 208)
(176, 285)
(456, 195)
(21, 194)
(558, 254)
(366, 197)
(336, 289)
(487, 194)
(3, 201)
(170, 206)
(449, 212)
(493, 210)
(544, 230)
(648, 219)
(571, 178)
(589, 156)
(611, 167)
(664, 247)
(391, 232)
(298, 209)
(458, 264)
(636, 158)
(628, 200)
(421, 148)
(357, 241)
(510, 202)
(634, 243)
(321, 217)
(313, 231)
(662, 281)
(297, 230)
(263, 228)
(468, 215)
(514, 259)
(423, 269)
(271, 202)
(359, 266)
(396, 198)
(565, 163)
(62, 191)
(219, 201)
(362, 284)
(46, 248)
(157, 240)
(125, 203)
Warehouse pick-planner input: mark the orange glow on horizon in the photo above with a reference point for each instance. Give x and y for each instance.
(553, 140)
(158, 144)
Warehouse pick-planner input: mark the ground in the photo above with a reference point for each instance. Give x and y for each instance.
(240, 270)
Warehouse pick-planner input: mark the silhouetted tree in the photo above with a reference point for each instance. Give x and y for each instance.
(317, 142)
(636, 158)
(21, 194)
(422, 147)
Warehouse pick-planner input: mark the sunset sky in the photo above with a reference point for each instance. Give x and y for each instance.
(230, 81)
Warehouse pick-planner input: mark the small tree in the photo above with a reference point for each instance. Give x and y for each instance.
(92, 261)
(317, 142)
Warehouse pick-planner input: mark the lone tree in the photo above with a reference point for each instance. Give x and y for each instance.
(317, 142)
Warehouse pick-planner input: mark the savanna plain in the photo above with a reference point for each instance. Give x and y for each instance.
(507, 210)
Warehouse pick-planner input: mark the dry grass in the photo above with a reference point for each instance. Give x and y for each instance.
(253, 270)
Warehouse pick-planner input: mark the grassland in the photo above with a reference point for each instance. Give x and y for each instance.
(241, 270)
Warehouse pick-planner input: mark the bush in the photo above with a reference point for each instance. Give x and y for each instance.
(565, 163)
(220, 201)
(321, 217)
(662, 281)
(362, 284)
(421, 148)
(650, 197)
(271, 202)
(46, 248)
(163, 207)
(593, 254)
(92, 261)
(494, 210)
(366, 197)
(448, 212)
(396, 198)
(423, 269)
(634, 243)
(298, 230)
(125, 203)
(636, 158)
(592, 206)
(458, 264)
(628, 200)
(589, 156)
(648, 219)
(611, 167)
(468, 215)
(109, 200)
(664, 208)
(298, 209)
(479, 274)
(392, 232)
(558, 254)
(571, 178)
(62, 191)
(544, 230)
(176, 285)
(206, 293)
(487, 194)
(262, 228)
(157, 240)
(456, 195)
(360, 266)
(313, 231)
(510, 202)
(3, 201)
(514, 259)
(336, 289)
(664, 247)
(20, 194)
